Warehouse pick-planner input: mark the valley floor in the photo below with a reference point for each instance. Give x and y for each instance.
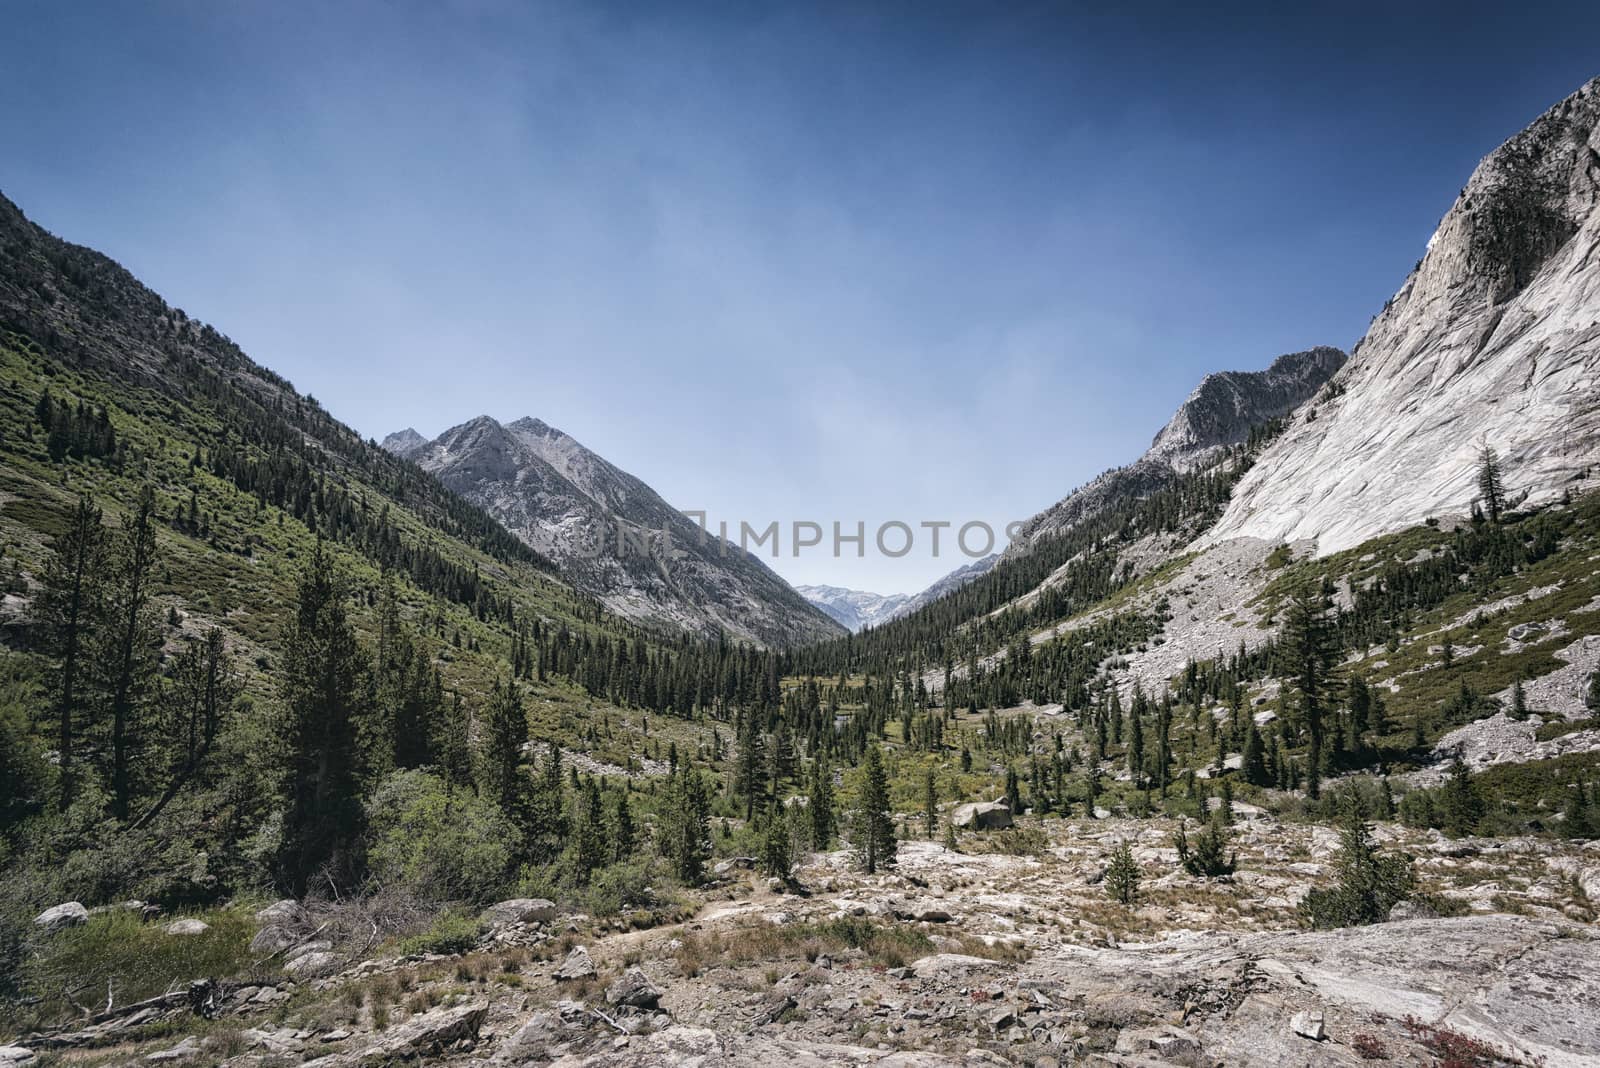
(1009, 955)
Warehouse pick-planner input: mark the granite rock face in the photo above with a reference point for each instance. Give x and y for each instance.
(1494, 340)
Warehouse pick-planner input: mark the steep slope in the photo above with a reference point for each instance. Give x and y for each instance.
(1220, 413)
(1493, 340)
(604, 528)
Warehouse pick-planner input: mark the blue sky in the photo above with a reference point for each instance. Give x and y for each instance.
(803, 262)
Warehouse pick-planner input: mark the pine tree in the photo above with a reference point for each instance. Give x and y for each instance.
(1208, 856)
(205, 685)
(1519, 700)
(777, 851)
(1369, 883)
(624, 837)
(1591, 698)
(1225, 802)
(1091, 788)
(1013, 790)
(504, 738)
(1122, 875)
(819, 806)
(129, 650)
(589, 847)
(1491, 485)
(872, 836)
(930, 805)
(68, 607)
(684, 832)
(750, 773)
(320, 688)
(1461, 802)
(1253, 764)
(1308, 652)
(1136, 744)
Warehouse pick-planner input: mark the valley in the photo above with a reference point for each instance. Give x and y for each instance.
(1278, 745)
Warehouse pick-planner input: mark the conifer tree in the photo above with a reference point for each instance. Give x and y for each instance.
(205, 685)
(589, 847)
(1309, 651)
(820, 807)
(504, 738)
(873, 833)
(1461, 803)
(1122, 875)
(320, 689)
(69, 606)
(1253, 763)
(1091, 792)
(930, 805)
(624, 837)
(777, 851)
(1591, 697)
(684, 835)
(1491, 485)
(128, 656)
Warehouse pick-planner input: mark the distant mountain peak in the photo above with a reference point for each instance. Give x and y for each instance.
(569, 504)
(404, 443)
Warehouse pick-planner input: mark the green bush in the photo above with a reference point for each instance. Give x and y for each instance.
(625, 885)
(438, 846)
(1370, 883)
(450, 932)
(1208, 857)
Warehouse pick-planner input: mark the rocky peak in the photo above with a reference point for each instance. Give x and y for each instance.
(569, 504)
(1493, 340)
(1226, 404)
(404, 443)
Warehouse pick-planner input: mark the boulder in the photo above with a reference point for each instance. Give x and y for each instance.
(15, 1055)
(285, 913)
(317, 964)
(189, 1047)
(578, 965)
(982, 816)
(66, 914)
(1410, 910)
(634, 990)
(272, 939)
(187, 926)
(431, 1032)
(520, 910)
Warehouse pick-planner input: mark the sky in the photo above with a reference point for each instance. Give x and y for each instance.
(915, 262)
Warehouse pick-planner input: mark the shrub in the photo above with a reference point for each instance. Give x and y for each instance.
(439, 846)
(1122, 875)
(626, 885)
(1208, 858)
(1370, 884)
(450, 932)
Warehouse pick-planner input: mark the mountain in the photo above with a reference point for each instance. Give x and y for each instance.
(858, 609)
(1493, 340)
(854, 609)
(611, 535)
(404, 443)
(1219, 414)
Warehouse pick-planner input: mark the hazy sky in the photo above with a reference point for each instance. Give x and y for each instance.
(857, 262)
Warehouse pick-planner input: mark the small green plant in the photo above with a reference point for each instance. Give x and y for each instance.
(450, 933)
(1122, 876)
(1208, 856)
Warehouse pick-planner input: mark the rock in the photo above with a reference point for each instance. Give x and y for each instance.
(634, 990)
(272, 939)
(934, 916)
(283, 913)
(15, 1055)
(1308, 1024)
(66, 914)
(727, 867)
(319, 946)
(187, 926)
(982, 816)
(1001, 1019)
(189, 1047)
(338, 1034)
(942, 964)
(520, 910)
(772, 1009)
(1411, 910)
(317, 964)
(430, 1032)
(578, 965)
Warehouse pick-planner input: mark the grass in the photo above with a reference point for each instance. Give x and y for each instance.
(116, 955)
